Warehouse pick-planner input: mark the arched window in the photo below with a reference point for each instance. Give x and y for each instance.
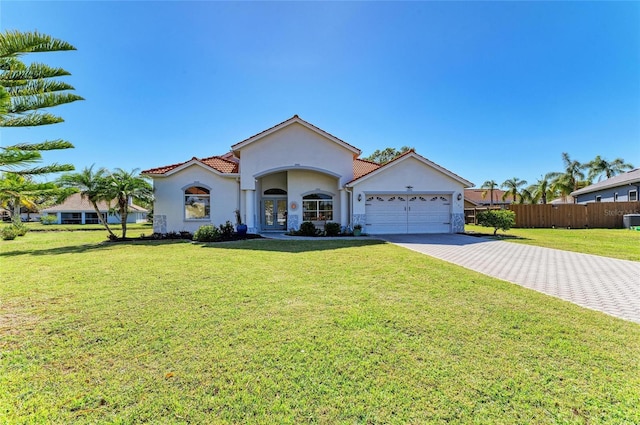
(197, 203)
(275, 191)
(317, 207)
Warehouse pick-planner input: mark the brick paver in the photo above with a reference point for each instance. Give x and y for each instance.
(600, 283)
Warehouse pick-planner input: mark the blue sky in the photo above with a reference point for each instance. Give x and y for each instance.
(489, 90)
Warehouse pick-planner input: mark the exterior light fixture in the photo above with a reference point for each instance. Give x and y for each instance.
(459, 197)
(359, 197)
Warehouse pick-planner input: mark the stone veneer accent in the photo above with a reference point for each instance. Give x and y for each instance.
(458, 222)
(293, 222)
(359, 219)
(159, 224)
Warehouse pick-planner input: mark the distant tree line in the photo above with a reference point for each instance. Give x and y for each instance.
(557, 184)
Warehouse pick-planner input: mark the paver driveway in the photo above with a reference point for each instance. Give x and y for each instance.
(605, 284)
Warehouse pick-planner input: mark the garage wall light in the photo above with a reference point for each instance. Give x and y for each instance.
(459, 197)
(359, 197)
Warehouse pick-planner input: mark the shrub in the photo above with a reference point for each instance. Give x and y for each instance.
(20, 229)
(332, 229)
(48, 219)
(226, 231)
(8, 233)
(307, 228)
(498, 219)
(208, 233)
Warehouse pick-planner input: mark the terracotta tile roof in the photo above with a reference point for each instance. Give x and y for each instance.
(218, 163)
(475, 195)
(77, 203)
(296, 117)
(221, 164)
(362, 167)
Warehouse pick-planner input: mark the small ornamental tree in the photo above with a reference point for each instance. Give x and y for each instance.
(498, 219)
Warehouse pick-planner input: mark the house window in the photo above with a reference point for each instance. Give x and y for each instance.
(633, 195)
(317, 207)
(275, 192)
(615, 197)
(196, 203)
(92, 218)
(598, 198)
(71, 218)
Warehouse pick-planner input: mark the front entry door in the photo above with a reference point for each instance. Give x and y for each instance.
(274, 214)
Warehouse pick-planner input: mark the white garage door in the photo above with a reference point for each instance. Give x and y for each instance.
(408, 214)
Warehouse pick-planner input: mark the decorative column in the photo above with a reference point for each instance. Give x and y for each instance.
(250, 206)
(344, 208)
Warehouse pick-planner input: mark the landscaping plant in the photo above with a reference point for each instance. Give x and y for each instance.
(498, 219)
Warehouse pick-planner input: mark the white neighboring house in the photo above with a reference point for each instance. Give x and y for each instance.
(295, 172)
(78, 210)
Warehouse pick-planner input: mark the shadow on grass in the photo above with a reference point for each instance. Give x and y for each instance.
(79, 249)
(498, 237)
(293, 246)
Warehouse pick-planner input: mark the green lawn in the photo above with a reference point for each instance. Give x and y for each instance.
(327, 331)
(616, 243)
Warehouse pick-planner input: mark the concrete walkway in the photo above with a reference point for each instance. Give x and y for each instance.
(599, 283)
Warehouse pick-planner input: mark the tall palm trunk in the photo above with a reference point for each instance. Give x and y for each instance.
(102, 220)
(124, 210)
(16, 219)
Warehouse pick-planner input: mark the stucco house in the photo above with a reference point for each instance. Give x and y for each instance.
(295, 172)
(78, 210)
(621, 188)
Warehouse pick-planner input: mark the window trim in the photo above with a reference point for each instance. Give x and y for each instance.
(635, 195)
(184, 201)
(322, 197)
(598, 198)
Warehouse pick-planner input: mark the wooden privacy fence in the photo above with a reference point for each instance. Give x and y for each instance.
(606, 215)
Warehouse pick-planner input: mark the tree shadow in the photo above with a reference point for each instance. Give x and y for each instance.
(293, 246)
(79, 249)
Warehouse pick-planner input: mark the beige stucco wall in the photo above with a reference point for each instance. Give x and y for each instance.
(408, 172)
(169, 197)
(290, 147)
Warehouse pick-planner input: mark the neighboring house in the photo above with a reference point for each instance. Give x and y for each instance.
(621, 188)
(474, 199)
(78, 210)
(295, 172)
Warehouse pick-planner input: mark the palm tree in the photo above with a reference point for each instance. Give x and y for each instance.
(541, 191)
(571, 179)
(18, 191)
(25, 90)
(599, 167)
(92, 186)
(490, 185)
(513, 188)
(122, 186)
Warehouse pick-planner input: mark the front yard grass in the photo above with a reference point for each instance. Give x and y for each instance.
(265, 332)
(615, 243)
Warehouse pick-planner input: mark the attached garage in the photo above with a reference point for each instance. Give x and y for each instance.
(408, 213)
(408, 195)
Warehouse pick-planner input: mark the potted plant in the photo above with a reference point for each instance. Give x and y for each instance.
(241, 229)
(357, 230)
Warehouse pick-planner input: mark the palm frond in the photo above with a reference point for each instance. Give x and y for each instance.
(35, 71)
(53, 168)
(30, 120)
(11, 158)
(24, 104)
(13, 43)
(47, 145)
(35, 87)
